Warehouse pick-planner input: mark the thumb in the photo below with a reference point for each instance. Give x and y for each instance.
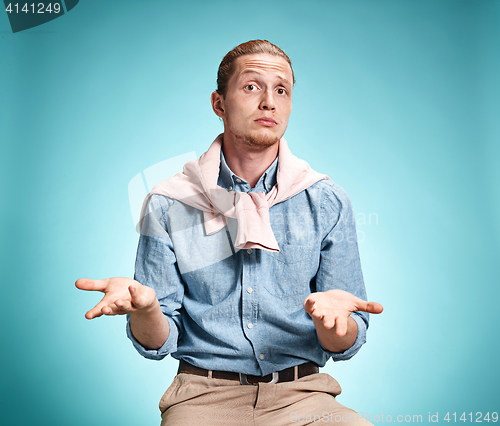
(370, 307)
(375, 308)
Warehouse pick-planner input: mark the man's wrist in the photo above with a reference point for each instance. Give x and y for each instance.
(333, 342)
(149, 326)
(151, 310)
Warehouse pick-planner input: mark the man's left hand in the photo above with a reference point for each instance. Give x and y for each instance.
(332, 308)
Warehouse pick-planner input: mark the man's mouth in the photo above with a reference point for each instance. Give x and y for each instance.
(266, 121)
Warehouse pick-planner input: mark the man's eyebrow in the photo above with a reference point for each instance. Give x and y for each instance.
(254, 71)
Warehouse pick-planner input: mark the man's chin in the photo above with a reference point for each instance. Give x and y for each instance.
(262, 140)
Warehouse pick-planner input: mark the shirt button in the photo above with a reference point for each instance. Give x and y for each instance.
(230, 188)
(249, 290)
(249, 251)
(261, 356)
(250, 325)
(238, 180)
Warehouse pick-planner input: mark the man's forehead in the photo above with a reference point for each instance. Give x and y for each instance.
(263, 63)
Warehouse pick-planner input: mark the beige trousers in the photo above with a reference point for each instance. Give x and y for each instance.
(195, 400)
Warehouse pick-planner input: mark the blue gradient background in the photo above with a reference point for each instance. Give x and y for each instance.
(398, 101)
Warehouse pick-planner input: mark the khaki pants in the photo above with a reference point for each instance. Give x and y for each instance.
(195, 400)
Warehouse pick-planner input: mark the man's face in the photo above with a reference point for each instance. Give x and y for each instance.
(258, 100)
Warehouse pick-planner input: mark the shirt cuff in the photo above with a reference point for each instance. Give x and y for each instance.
(360, 341)
(168, 347)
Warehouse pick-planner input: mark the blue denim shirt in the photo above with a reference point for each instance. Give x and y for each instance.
(241, 310)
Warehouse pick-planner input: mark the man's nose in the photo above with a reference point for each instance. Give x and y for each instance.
(267, 102)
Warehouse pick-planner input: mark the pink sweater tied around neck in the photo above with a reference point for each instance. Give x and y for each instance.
(197, 186)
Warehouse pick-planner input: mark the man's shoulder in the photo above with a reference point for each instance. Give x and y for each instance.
(172, 207)
(165, 205)
(160, 201)
(331, 192)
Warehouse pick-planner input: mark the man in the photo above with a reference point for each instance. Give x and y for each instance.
(247, 269)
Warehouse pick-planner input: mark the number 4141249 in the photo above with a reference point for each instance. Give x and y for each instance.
(34, 8)
(476, 418)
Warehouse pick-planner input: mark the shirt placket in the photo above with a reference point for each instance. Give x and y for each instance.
(250, 300)
(249, 284)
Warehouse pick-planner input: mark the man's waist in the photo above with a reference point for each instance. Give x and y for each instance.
(287, 375)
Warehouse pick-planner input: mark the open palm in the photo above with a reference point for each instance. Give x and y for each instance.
(333, 308)
(121, 296)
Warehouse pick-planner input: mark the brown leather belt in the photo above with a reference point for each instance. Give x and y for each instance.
(286, 375)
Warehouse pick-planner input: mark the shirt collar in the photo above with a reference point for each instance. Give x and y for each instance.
(228, 179)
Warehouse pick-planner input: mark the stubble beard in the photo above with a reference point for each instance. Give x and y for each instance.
(264, 141)
(259, 141)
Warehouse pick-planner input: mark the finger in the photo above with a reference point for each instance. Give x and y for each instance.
(308, 304)
(124, 305)
(111, 310)
(328, 321)
(375, 308)
(134, 296)
(96, 311)
(91, 285)
(341, 324)
(370, 307)
(93, 313)
(317, 314)
(141, 296)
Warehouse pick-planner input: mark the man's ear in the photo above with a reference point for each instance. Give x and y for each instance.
(218, 104)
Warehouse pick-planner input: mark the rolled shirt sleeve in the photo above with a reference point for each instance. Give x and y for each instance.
(156, 267)
(340, 266)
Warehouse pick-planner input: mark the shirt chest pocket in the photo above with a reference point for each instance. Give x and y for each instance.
(290, 270)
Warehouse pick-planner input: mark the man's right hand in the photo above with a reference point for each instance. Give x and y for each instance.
(121, 296)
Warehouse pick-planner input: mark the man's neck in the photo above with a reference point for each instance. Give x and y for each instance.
(249, 163)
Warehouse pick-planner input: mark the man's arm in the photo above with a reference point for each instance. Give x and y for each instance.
(153, 299)
(338, 308)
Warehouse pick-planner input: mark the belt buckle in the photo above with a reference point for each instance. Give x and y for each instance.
(244, 381)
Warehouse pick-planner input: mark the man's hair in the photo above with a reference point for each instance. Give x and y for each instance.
(226, 67)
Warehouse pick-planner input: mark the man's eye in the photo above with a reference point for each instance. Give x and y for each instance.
(250, 87)
(281, 91)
